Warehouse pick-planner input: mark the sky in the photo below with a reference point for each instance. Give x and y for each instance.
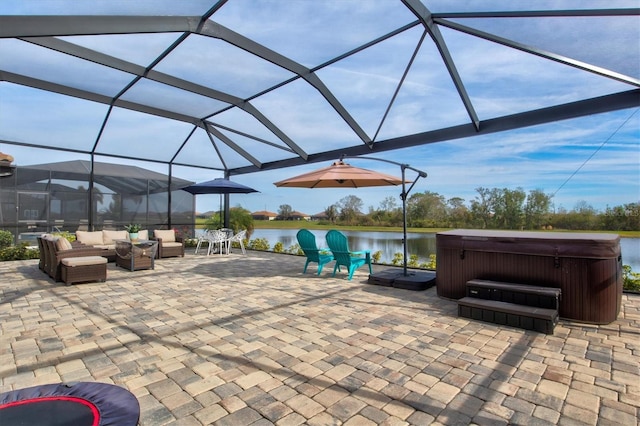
(593, 159)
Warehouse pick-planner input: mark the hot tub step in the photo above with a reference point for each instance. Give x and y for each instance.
(504, 313)
(528, 295)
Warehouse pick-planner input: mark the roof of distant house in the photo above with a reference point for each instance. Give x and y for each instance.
(264, 213)
(297, 213)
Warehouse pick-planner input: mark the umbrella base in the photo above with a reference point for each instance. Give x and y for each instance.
(416, 281)
(384, 278)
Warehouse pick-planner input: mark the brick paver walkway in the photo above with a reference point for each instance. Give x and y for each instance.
(249, 340)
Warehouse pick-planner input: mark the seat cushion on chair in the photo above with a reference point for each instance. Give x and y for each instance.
(83, 261)
(171, 244)
(167, 235)
(108, 237)
(143, 234)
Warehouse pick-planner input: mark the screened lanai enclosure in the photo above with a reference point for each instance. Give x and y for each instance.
(54, 198)
(199, 89)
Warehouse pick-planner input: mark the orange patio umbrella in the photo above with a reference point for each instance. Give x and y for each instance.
(340, 175)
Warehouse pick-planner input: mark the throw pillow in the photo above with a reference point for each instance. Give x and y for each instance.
(89, 238)
(108, 237)
(63, 244)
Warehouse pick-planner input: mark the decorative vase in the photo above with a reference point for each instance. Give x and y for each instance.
(133, 236)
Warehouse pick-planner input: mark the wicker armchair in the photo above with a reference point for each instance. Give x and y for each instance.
(55, 253)
(169, 245)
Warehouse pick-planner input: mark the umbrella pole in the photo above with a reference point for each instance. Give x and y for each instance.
(404, 223)
(403, 196)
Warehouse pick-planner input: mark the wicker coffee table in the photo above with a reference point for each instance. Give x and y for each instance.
(136, 255)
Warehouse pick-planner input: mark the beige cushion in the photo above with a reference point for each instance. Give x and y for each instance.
(84, 260)
(63, 244)
(143, 234)
(168, 235)
(89, 238)
(171, 244)
(108, 237)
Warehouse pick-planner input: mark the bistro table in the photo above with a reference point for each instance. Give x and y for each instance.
(136, 255)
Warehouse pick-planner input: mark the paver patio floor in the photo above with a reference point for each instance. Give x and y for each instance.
(250, 340)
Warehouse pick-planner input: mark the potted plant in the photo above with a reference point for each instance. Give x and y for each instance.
(133, 229)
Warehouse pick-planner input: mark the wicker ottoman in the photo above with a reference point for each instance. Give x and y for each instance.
(85, 268)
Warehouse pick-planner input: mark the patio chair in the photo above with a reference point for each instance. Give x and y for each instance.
(237, 238)
(339, 246)
(220, 239)
(169, 245)
(307, 242)
(203, 238)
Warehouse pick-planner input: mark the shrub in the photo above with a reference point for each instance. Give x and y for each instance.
(190, 242)
(19, 252)
(398, 259)
(295, 249)
(413, 261)
(259, 244)
(375, 257)
(65, 234)
(431, 264)
(630, 279)
(6, 239)
(184, 231)
(278, 247)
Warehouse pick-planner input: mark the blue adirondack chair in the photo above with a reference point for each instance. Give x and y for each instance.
(307, 242)
(339, 246)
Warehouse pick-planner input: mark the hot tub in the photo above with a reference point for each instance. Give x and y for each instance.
(586, 267)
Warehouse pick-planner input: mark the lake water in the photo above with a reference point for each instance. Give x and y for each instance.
(421, 244)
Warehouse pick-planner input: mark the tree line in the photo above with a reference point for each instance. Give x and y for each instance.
(496, 208)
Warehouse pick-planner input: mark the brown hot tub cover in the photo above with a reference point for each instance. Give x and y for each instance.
(585, 266)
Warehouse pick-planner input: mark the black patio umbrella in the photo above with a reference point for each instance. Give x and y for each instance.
(219, 186)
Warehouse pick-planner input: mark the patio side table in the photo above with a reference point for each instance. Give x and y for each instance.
(136, 255)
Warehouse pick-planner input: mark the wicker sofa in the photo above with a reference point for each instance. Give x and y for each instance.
(105, 240)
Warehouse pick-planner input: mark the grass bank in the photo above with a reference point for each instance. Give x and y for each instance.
(296, 224)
